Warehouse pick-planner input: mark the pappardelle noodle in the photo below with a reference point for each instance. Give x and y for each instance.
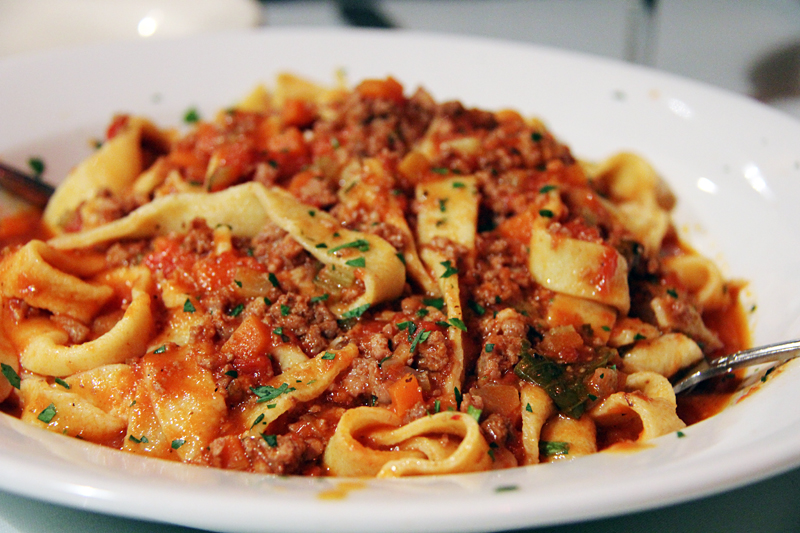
(355, 282)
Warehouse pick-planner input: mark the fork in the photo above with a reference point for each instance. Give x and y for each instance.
(25, 186)
(777, 352)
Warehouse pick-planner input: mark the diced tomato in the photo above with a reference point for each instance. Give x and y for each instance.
(604, 272)
(217, 271)
(168, 256)
(288, 151)
(117, 125)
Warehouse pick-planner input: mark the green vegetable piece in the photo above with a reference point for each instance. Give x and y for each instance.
(47, 414)
(356, 311)
(11, 375)
(550, 448)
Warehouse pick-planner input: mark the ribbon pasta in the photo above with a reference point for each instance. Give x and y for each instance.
(360, 283)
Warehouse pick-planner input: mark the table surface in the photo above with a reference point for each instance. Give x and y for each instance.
(749, 47)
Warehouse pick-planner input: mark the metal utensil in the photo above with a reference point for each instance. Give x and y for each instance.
(778, 352)
(25, 186)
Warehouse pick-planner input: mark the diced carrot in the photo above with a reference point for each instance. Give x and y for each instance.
(388, 89)
(298, 113)
(405, 394)
(518, 227)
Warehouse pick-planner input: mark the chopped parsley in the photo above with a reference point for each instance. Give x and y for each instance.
(258, 420)
(36, 164)
(536, 136)
(361, 245)
(547, 213)
(268, 393)
(458, 185)
(61, 382)
(191, 116)
(328, 356)
(477, 308)
(160, 349)
(449, 269)
(274, 280)
(11, 375)
(271, 440)
(458, 396)
(489, 348)
(320, 298)
(177, 443)
(673, 293)
(437, 303)
(551, 448)
(232, 374)
(188, 306)
(357, 262)
(285, 310)
(356, 311)
(457, 322)
(474, 412)
(236, 311)
(142, 440)
(47, 414)
(279, 332)
(421, 336)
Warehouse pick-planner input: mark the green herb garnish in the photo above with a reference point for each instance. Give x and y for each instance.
(47, 414)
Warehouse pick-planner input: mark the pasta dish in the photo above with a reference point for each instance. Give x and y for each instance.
(356, 282)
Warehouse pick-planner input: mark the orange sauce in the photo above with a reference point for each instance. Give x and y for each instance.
(711, 397)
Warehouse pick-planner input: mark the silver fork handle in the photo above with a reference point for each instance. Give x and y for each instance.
(777, 352)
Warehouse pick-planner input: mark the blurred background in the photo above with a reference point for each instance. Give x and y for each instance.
(748, 46)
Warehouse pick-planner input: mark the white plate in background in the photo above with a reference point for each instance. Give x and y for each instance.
(34, 25)
(734, 165)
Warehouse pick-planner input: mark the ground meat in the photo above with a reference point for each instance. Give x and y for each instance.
(200, 238)
(277, 250)
(676, 314)
(507, 335)
(496, 428)
(99, 210)
(313, 324)
(317, 191)
(124, 254)
(78, 332)
(500, 273)
(360, 385)
(258, 455)
(432, 354)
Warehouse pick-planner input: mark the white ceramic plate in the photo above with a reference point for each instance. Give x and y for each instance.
(734, 165)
